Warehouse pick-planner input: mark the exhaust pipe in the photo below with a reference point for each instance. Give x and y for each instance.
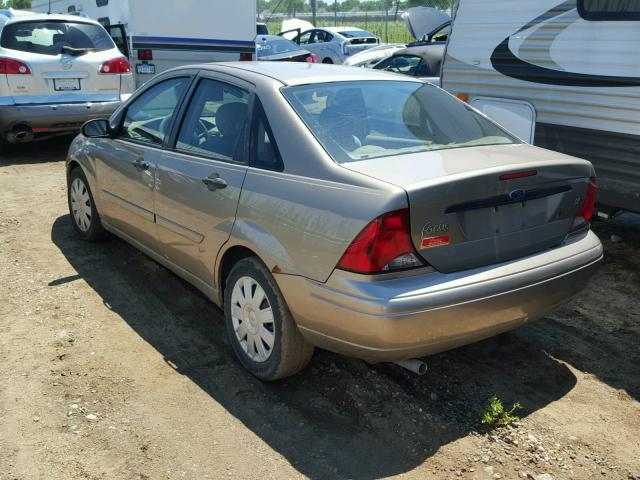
(413, 365)
(20, 134)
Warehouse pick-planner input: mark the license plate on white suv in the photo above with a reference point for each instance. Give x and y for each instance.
(66, 84)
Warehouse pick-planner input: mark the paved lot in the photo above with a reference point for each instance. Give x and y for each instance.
(113, 368)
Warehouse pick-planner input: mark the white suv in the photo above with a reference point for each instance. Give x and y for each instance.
(56, 72)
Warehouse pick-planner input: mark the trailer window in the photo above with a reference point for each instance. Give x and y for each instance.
(609, 9)
(102, 3)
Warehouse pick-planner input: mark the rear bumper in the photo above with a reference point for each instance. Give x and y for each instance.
(400, 318)
(52, 118)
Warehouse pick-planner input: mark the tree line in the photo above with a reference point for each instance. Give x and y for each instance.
(22, 4)
(291, 7)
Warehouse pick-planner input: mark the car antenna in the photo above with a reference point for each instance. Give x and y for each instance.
(49, 12)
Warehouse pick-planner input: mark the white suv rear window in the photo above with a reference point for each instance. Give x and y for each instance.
(53, 38)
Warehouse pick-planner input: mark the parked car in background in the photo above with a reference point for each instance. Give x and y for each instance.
(278, 49)
(368, 58)
(422, 61)
(332, 44)
(350, 209)
(429, 26)
(56, 72)
(156, 39)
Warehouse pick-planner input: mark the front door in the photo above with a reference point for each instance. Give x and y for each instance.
(199, 182)
(127, 166)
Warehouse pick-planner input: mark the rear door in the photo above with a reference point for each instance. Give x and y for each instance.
(200, 179)
(127, 168)
(118, 34)
(64, 60)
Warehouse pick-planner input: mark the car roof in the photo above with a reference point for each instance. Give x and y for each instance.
(8, 16)
(342, 29)
(300, 73)
(428, 52)
(273, 37)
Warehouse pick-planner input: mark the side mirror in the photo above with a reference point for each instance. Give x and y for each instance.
(96, 129)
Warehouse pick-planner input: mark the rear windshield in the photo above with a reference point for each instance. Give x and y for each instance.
(356, 34)
(51, 37)
(266, 47)
(370, 119)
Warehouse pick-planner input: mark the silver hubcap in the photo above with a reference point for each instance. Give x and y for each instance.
(252, 319)
(80, 204)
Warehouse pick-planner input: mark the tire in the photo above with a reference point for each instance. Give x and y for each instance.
(82, 208)
(327, 61)
(289, 352)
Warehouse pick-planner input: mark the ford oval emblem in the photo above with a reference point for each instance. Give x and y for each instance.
(517, 194)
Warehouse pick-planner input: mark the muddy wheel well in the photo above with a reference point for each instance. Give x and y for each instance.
(73, 164)
(230, 258)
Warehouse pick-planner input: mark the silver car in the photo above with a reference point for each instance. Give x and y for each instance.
(333, 44)
(56, 72)
(360, 211)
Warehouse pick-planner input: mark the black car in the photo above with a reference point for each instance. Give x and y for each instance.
(417, 60)
(277, 49)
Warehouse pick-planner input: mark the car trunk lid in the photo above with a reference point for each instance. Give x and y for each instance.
(64, 78)
(425, 21)
(466, 214)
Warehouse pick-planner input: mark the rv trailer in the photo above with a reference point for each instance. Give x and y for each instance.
(158, 34)
(564, 75)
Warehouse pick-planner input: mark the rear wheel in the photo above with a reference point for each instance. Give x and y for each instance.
(82, 208)
(260, 327)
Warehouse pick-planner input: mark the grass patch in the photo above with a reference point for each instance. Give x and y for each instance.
(495, 414)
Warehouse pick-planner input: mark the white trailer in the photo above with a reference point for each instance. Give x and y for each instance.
(160, 34)
(562, 74)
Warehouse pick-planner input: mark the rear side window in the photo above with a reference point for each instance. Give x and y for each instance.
(51, 38)
(214, 124)
(609, 9)
(149, 116)
(264, 151)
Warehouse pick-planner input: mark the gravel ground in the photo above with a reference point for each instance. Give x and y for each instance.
(114, 368)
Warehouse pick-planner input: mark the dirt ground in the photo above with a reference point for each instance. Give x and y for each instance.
(114, 368)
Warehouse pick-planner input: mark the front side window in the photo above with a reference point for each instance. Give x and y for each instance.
(405, 64)
(149, 116)
(361, 120)
(215, 121)
(305, 37)
(53, 37)
(609, 9)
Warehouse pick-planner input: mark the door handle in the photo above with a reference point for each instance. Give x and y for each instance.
(214, 182)
(140, 164)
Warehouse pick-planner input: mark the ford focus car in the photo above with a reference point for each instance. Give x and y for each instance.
(359, 211)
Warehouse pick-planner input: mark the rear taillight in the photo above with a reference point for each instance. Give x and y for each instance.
(589, 202)
(145, 54)
(312, 58)
(384, 245)
(585, 213)
(246, 57)
(9, 66)
(115, 66)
